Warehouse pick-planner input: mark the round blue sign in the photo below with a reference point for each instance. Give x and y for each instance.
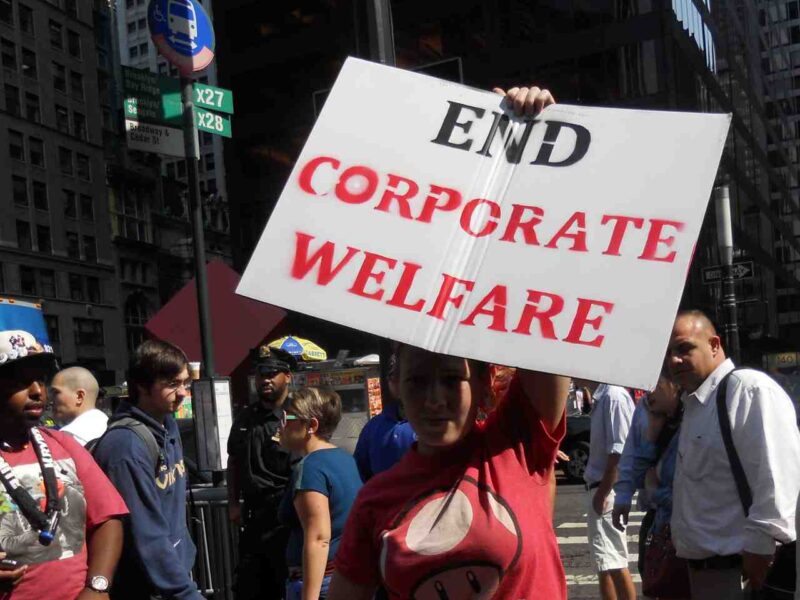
(183, 33)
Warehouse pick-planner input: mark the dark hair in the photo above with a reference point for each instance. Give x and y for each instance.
(154, 360)
(321, 404)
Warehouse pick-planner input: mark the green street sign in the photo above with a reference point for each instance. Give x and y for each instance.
(151, 98)
(212, 122)
(214, 98)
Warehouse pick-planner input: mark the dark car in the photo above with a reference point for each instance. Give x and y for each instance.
(576, 446)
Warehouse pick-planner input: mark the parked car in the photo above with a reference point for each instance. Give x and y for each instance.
(576, 446)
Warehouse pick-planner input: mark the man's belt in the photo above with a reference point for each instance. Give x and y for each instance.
(716, 563)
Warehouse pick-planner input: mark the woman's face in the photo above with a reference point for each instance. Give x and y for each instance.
(294, 432)
(665, 398)
(440, 396)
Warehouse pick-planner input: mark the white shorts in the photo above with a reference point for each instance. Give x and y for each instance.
(608, 545)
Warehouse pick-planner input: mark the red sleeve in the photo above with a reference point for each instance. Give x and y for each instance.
(516, 423)
(358, 552)
(103, 501)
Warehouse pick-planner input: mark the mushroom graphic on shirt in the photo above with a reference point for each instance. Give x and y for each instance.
(451, 544)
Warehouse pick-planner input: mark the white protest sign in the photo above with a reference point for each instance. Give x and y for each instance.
(564, 249)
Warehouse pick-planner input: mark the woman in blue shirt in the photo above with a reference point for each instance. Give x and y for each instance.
(323, 487)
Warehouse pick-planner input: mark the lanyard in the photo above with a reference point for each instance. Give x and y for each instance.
(45, 522)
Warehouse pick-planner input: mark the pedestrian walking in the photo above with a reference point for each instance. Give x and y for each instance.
(323, 488)
(612, 413)
(258, 474)
(141, 453)
(60, 527)
(721, 533)
(74, 393)
(664, 575)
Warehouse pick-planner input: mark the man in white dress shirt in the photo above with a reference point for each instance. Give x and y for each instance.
(74, 392)
(612, 412)
(709, 526)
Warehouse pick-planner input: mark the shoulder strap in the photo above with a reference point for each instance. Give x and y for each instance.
(142, 432)
(742, 486)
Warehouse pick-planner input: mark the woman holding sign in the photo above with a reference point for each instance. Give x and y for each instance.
(466, 514)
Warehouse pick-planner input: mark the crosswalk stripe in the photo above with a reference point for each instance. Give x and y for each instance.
(582, 539)
(569, 525)
(592, 579)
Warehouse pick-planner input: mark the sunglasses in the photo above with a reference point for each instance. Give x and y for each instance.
(286, 417)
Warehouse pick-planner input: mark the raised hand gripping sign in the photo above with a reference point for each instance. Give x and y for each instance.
(423, 211)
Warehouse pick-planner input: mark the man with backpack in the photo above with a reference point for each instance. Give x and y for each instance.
(142, 455)
(738, 476)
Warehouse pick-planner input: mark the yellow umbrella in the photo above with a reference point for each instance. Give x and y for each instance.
(300, 348)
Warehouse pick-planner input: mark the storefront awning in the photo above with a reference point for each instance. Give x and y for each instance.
(237, 323)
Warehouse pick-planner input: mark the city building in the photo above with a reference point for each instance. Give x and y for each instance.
(55, 225)
(280, 58)
(780, 56)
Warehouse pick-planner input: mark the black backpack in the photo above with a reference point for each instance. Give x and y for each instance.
(143, 433)
(781, 578)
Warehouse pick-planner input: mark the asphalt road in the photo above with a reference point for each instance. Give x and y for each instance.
(571, 530)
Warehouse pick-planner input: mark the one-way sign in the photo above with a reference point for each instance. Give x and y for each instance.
(741, 270)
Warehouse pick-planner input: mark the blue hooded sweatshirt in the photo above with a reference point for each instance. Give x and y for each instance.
(158, 553)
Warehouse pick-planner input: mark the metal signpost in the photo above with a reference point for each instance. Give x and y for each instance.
(183, 33)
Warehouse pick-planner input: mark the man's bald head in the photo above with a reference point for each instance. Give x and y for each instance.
(73, 391)
(695, 350)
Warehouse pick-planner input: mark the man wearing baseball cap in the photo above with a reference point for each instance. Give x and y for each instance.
(258, 473)
(60, 525)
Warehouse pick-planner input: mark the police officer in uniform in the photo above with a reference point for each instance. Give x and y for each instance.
(258, 473)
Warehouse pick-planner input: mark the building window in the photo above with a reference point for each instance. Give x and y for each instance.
(143, 50)
(131, 215)
(131, 27)
(60, 77)
(33, 110)
(62, 118)
(19, 189)
(142, 24)
(24, 241)
(162, 68)
(27, 280)
(40, 195)
(129, 3)
(76, 287)
(29, 63)
(9, 51)
(16, 145)
(6, 12)
(73, 245)
(56, 35)
(68, 198)
(79, 124)
(88, 332)
(87, 208)
(93, 293)
(26, 19)
(89, 248)
(136, 315)
(209, 160)
(36, 152)
(47, 284)
(83, 168)
(133, 52)
(53, 331)
(43, 239)
(792, 11)
(65, 160)
(12, 100)
(76, 82)
(71, 8)
(74, 44)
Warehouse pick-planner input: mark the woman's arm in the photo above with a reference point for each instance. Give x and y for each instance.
(547, 394)
(343, 589)
(104, 548)
(314, 513)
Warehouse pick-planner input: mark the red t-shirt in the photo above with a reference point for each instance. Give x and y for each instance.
(470, 524)
(88, 499)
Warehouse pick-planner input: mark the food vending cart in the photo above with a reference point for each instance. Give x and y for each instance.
(358, 385)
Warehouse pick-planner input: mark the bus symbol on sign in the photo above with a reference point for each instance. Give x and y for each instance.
(183, 33)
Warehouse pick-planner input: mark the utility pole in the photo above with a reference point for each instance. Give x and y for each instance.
(198, 236)
(381, 31)
(722, 203)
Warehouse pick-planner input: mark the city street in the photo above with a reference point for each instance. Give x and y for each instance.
(570, 526)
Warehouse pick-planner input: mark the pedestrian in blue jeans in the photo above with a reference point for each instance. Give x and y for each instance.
(323, 487)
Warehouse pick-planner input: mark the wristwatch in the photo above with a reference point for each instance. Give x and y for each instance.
(98, 583)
